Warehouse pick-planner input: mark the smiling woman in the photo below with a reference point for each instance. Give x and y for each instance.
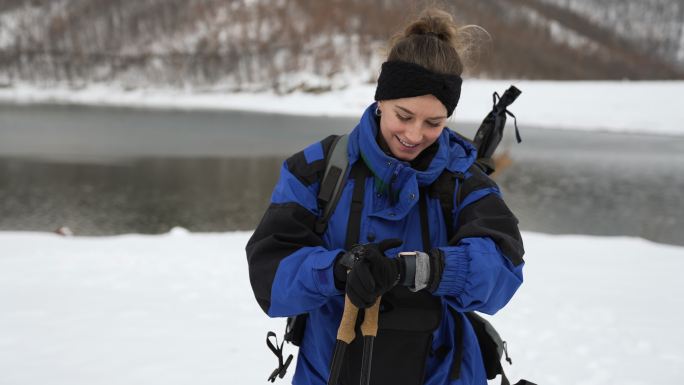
(411, 124)
(420, 232)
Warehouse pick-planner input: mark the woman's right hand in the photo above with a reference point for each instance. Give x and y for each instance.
(367, 272)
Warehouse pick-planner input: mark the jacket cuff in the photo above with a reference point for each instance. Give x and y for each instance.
(324, 272)
(456, 267)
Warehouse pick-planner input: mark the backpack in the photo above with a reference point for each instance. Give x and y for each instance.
(334, 179)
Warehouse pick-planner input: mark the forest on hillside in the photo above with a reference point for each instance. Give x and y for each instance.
(313, 45)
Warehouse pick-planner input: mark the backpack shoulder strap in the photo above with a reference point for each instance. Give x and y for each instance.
(359, 173)
(333, 181)
(447, 189)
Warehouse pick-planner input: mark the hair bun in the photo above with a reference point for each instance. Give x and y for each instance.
(433, 22)
(455, 49)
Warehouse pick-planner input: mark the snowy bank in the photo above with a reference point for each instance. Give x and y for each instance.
(645, 107)
(178, 309)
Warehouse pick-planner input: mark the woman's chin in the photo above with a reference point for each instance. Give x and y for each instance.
(403, 155)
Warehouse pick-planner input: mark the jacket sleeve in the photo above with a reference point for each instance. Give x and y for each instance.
(290, 270)
(483, 262)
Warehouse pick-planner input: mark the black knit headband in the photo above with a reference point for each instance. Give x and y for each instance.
(399, 79)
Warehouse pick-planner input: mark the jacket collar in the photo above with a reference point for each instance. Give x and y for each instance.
(453, 153)
(397, 178)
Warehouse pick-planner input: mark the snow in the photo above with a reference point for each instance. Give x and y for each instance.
(621, 106)
(556, 29)
(177, 308)
(561, 34)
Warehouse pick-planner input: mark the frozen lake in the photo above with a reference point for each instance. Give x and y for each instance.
(110, 170)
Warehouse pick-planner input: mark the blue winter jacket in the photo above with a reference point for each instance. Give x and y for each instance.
(291, 267)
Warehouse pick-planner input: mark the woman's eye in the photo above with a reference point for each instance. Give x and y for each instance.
(433, 124)
(403, 118)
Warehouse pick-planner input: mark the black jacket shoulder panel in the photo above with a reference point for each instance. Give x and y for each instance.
(284, 229)
(477, 180)
(490, 217)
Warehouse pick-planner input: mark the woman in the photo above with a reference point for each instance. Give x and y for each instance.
(468, 260)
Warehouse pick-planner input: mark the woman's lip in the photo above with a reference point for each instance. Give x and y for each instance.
(404, 146)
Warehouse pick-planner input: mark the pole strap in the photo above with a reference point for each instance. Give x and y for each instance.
(280, 371)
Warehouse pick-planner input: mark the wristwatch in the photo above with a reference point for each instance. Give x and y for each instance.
(407, 266)
(415, 267)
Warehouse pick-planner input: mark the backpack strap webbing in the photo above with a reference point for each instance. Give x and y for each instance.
(424, 223)
(333, 181)
(443, 189)
(359, 172)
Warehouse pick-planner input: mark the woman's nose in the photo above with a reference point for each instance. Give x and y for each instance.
(413, 134)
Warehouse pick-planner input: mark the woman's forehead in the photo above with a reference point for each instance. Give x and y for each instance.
(426, 106)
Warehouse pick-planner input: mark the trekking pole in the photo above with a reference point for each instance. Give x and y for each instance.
(345, 336)
(369, 330)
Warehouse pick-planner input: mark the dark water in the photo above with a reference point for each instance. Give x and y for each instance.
(148, 195)
(111, 170)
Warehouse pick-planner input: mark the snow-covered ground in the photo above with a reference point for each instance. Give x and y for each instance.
(648, 107)
(178, 309)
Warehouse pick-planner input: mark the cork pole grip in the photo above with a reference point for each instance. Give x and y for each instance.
(369, 327)
(346, 331)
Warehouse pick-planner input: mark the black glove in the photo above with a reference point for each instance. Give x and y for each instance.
(371, 273)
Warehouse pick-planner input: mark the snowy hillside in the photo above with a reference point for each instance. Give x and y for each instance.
(178, 309)
(656, 26)
(286, 45)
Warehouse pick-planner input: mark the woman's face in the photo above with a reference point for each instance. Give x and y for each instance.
(410, 125)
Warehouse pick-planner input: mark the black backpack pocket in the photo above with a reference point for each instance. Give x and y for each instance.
(401, 348)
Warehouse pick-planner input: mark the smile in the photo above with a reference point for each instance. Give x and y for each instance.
(405, 143)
